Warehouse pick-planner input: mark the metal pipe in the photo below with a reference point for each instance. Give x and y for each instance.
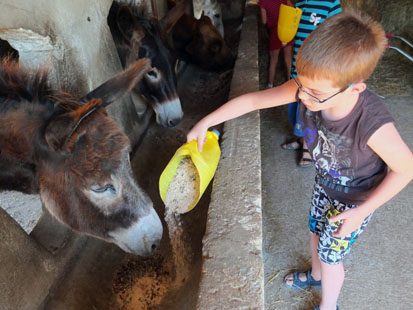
(401, 52)
(391, 35)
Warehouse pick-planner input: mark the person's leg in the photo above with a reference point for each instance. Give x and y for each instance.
(315, 261)
(332, 277)
(288, 59)
(273, 66)
(306, 159)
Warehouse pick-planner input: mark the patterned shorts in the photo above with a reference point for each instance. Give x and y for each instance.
(331, 250)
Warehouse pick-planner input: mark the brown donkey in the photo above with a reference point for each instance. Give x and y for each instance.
(72, 153)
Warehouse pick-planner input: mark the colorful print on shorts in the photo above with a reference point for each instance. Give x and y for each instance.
(331, 250)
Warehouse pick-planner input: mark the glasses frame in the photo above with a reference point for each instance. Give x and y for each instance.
(315, 99)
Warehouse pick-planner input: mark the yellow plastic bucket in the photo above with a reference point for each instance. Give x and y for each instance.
(206, 163)
(288, 21)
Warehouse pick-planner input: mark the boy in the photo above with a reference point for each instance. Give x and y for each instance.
(360, 159)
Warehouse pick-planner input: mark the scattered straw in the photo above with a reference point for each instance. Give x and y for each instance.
(275, 276)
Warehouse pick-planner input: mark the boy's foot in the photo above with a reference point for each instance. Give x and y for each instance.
(269, 86)
(306, 160)
(294, 145)
(300, 280)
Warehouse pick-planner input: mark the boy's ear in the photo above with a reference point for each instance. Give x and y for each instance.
(358, 87)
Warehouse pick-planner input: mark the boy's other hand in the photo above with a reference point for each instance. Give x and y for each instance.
(351, 219)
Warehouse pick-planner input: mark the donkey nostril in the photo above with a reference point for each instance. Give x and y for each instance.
(172, 123)
(153, 247)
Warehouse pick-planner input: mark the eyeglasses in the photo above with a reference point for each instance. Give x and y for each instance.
(315, 99)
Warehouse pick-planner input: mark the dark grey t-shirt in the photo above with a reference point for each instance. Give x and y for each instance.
(346, 166)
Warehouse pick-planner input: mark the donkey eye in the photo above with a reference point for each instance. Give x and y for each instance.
(153, 74)
(107, 188)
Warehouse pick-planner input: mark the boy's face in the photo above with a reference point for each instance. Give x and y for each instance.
(322, 90)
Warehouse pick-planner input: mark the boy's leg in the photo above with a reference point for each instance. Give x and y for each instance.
(332, 277)
(306, 159)
(315, 261)
(273, 66)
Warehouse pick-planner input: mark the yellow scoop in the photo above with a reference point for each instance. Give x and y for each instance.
(288, 21)
(206, 164)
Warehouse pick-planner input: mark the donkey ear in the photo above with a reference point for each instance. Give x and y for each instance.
(171, 18)
(64, 131)
(121, 83)
(128, 26)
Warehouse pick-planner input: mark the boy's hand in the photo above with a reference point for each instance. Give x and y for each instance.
(198, 132)
(352, 220)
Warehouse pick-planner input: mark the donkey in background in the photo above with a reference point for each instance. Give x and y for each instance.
(197, 41)
(135, 37)
(74, 155)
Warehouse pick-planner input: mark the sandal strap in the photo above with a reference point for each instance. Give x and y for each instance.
(309, 282)
(292, 145)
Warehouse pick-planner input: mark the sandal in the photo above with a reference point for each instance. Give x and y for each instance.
(305, 162)
(294, 145)
(300, 285)
(318, 308)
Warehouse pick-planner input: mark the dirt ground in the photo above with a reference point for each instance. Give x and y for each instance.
(379, 270)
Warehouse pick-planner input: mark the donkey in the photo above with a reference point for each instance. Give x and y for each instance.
(136, 37)
(197, 41)
(212, 9)
(75, 156)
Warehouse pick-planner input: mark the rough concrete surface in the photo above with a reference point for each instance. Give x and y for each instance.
(24, 209)
(232, 246)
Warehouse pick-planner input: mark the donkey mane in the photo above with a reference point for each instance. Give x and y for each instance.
(18, 85)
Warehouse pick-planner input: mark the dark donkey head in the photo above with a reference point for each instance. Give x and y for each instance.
(136, 37)
(75, 156)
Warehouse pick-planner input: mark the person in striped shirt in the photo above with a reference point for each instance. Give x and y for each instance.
(314, 12)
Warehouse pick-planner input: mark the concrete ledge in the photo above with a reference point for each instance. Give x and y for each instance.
(233, 272)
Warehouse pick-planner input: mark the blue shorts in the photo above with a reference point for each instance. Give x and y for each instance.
(331, 250)
(293, 109)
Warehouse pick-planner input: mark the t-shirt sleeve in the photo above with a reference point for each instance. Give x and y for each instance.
(335, 8)
(377, 115)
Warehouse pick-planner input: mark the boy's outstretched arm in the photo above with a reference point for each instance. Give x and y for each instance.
(387, 143)
(241, 105)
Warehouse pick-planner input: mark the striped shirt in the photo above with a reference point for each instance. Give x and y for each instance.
(314, 13)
